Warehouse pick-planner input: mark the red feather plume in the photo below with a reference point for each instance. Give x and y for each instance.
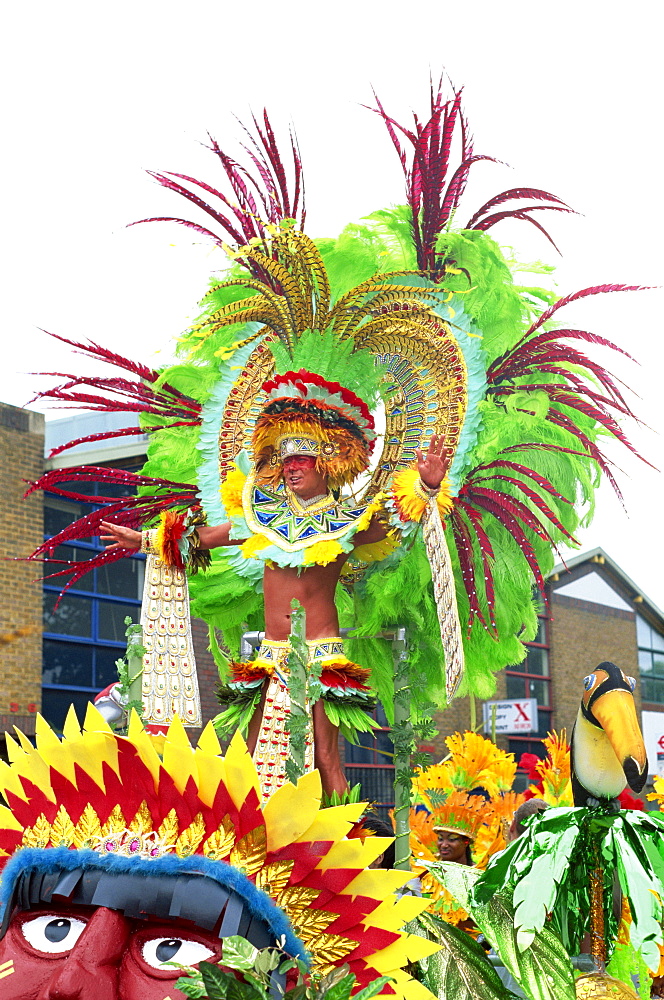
(522, 509)
(257, 198)
(125, 396)
(541, 353)
(432, 197)
(132, 511)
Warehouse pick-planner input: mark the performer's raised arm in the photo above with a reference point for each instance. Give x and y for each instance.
(118, 536)
(433, 465)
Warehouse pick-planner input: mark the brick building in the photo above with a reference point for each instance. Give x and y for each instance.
(21, 530)
(595, 613)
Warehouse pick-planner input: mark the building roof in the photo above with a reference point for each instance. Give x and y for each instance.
(58, 432)
(597, 560)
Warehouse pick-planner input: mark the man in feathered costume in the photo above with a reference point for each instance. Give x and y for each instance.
(324, 437)
(492, 418)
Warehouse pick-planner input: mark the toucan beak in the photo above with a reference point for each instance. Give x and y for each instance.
(616, 714)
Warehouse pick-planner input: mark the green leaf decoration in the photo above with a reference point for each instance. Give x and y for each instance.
(624, 963)
(222, 985)
(239, 953)
(543, 969)
(192, 988)
(547, 871)
(267, 960)
(374, 987)
(640, 883)
(460, 970)
(341, 990)
(298, 992)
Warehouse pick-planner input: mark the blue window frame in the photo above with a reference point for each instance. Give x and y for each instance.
(84, 632)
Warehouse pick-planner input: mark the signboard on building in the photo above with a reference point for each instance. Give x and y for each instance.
(652, 726)
(511, 717)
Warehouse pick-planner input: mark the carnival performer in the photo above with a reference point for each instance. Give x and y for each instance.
(296, 349)
(453, 845)
(304, 486)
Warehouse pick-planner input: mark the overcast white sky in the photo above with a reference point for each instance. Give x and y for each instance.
(569, 94)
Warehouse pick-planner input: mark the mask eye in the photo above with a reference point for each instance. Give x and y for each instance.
(631, 681)
(52, 933)
(589, 681)
(184, 951)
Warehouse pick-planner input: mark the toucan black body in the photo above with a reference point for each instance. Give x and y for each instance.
(608, 752)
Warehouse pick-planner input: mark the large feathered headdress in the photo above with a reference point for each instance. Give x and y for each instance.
(404, 312)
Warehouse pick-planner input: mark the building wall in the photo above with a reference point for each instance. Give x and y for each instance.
(21, 531)
(583, 635)
(457, 718)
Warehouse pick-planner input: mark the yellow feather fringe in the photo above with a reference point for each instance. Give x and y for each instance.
(376, 551)
(231, 492)
(410, 504)
(253, 545)
(322, 553)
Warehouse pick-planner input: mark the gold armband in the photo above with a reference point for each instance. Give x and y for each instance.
(425, 492)
(148, 540)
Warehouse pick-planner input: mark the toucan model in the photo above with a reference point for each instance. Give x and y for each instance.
(607, 746)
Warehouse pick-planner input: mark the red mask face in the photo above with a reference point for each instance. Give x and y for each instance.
(82, 953)
(302, 477)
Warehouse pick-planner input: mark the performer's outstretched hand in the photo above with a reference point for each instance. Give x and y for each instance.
(120, 537)
(433, 466)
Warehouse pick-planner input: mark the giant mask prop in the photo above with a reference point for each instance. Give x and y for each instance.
(119, 859)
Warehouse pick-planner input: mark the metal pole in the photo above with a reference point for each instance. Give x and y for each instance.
(402, 735)
(298, 718)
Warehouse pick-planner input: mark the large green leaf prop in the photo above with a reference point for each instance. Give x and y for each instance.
(546, 874)
(542, 968)
(460, 970)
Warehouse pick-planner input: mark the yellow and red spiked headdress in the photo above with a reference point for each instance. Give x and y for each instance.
(105, 803)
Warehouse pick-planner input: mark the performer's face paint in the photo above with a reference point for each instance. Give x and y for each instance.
(97, 954)
(301, 475)
(452, 847)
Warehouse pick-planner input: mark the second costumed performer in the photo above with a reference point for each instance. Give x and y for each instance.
(312, 438)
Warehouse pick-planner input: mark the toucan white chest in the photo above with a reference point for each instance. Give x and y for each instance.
(595, 763)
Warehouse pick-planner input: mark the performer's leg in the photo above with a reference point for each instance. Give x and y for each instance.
(254, 726)
(326, 752)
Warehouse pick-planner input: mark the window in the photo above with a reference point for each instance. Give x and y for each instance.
(371, 764)
(84, 633)
(651, 661)
(531, 679)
